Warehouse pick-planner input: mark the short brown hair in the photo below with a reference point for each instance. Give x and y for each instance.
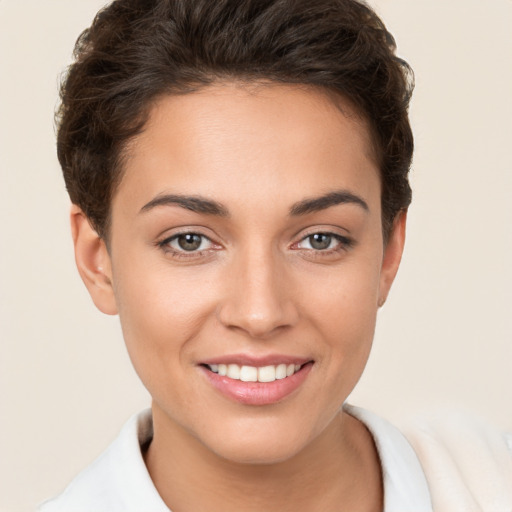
(138, 50)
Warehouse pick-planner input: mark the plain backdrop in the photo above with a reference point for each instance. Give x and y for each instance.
(444, 338)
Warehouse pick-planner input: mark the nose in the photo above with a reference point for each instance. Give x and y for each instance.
(258, 298)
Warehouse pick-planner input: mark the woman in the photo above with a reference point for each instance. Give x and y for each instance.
(238, 172)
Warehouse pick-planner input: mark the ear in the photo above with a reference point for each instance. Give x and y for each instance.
(392, 255)
(93, 262)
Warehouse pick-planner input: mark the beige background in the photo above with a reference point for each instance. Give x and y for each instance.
(444, 338)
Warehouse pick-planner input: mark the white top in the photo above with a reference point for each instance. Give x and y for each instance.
(118, 480)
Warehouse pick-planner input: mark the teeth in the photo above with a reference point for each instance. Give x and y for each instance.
(248, 374)
(280, 371)
(267, 374)
(255, 374)
(233, 371)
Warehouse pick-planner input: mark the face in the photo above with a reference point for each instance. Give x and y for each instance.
(246, 263)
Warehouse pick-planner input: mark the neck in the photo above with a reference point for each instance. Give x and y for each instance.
(339, 470)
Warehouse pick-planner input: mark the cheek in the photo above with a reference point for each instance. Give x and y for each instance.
(346, 316)
(161, 312)
(349, 297)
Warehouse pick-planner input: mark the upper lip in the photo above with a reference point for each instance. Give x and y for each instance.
(258, 361)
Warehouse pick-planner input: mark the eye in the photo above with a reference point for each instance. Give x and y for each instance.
(187, 242)
(319, 241)
(324, 242)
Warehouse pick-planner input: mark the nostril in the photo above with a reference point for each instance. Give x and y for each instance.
(257, 328)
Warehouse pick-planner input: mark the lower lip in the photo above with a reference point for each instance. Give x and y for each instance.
(257, 393)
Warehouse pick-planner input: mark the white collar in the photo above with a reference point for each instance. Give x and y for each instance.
(405, 484)
(118, 481)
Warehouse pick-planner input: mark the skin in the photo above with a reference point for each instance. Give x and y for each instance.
(257, 286)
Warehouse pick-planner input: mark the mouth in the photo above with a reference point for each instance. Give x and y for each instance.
(247, 373)
(257, 384)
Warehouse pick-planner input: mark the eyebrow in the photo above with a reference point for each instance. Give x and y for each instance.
(200, 204)
(196, 204)
(316, 204)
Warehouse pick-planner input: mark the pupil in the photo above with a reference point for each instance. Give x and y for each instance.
(189, 242)
(320, 241)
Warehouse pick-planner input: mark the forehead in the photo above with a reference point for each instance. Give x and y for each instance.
(236, 139)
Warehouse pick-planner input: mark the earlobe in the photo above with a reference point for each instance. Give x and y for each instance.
(392, 256)
(93, 262)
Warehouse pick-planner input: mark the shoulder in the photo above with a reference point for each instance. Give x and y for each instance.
(447, 461)
(467, 462)
(117, 480)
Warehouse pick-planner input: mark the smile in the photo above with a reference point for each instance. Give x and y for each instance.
(259, 383)
(255, 374)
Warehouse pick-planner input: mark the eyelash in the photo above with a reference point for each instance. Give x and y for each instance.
(183, 254)
(344, 243)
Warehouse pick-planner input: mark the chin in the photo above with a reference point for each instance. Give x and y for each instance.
(259, 451)
(258, 442)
